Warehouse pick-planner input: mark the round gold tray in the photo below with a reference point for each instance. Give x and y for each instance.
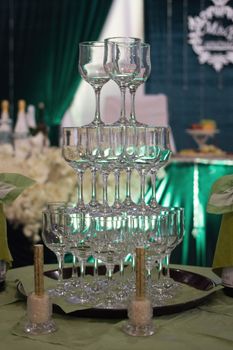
(198, 289)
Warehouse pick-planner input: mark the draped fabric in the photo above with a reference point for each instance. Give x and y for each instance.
(195, 91)
(188, 185)
(44, 56)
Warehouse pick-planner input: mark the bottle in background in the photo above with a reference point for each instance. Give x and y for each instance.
(31, 119)
(21, 130)
(5, 124)
(41, 125)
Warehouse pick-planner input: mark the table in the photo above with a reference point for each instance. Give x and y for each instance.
(187, 183)
(208, 326)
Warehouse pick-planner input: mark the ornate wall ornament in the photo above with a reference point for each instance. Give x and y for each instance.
(211, 34)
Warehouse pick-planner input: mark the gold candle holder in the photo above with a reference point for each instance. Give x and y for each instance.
(39, 269)
(140, 310)
(39, 306)
(140, 273)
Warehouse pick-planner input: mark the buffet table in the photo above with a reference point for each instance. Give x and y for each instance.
(187, 182)
(208, 326)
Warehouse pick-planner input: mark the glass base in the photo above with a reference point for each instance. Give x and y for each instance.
(139, 331)
(134, 122)
(170, 284)
(108, 302)
(40, 328)
(56, 292)
(78, 299)
(80, 296)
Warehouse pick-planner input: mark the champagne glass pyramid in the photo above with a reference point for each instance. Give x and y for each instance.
(125, 145)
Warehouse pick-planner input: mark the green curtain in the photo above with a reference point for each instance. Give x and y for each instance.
(46, 36)
(4, 49)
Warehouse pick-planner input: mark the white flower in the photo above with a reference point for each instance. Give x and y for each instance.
(55, 181)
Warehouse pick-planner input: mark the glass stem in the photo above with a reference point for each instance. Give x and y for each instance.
(122, 117)
(149, 278)
(95, 269)
(117, 188)
(148, 269)
(74, 267)
(132, 111)
(160, 266)
(133, 262)
(109, 273)
(97, 119)
(128, 186)
(122, 268)
(93, 186)
(142, 188)
(105, 188)
(166, 269)
(60, 260)
(153, 201)
(82, 268)
(80, 188)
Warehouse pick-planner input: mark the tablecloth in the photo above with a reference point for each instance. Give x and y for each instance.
(208, 326)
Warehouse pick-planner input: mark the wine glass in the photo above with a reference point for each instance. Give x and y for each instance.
(109, 151)
(128, 162)
(175, 237)
(109, 244)
(66, 207)
(77, 234)
(140, 78)
(165, 154)
(150, 232)
(90, 64)
(117, 151)
(53, 238)
(147, 155)
(93, 135)
(122, 64)
(74, 151)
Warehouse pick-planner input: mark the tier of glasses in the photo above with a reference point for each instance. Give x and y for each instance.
(114, 149)
(109, 240)
(105, 232)
(124, 60)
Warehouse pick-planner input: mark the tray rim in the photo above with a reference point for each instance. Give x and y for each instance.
(94, 312)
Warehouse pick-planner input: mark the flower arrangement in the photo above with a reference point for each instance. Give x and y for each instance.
(54, 181)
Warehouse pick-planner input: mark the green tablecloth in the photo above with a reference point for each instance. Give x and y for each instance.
(187, 183)
(208, 326)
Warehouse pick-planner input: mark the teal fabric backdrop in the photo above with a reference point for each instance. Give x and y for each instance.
(195, 91)
(187, 184)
